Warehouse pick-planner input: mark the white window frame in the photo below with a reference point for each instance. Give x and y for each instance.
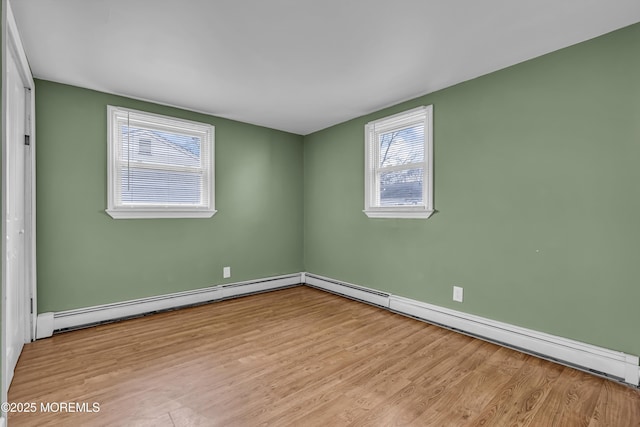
(372, 208)
(118, 210)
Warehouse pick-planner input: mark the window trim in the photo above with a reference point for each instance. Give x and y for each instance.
(422, 114)
(120, 211)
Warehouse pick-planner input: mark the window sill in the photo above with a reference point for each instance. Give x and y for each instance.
(152, 214)
(410, 214)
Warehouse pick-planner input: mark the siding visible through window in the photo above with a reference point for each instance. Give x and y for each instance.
(159, 167)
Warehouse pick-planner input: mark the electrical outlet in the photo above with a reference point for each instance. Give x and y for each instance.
(457, 293)
(226, 272)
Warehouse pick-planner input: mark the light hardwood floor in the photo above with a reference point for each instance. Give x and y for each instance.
(303, 357)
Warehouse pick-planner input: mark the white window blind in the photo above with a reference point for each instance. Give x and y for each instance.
(398, 170)
(159, 166)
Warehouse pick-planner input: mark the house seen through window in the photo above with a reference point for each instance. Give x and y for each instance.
(159, 167)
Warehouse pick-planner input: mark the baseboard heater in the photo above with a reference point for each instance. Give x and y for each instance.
(359, 293)
(48, 323)
(601, 361)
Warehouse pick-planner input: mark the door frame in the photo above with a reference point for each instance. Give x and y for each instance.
(11, 43)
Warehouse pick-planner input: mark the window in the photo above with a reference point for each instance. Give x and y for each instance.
(399, 165)
(158, 166)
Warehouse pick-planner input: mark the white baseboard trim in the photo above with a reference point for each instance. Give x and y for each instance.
(47, 323)
(598, 360)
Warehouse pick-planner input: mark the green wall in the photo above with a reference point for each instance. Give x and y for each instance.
(536, 192)
(87, 258)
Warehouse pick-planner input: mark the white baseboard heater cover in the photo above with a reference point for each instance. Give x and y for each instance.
(598, 360)
(361, 293)
(47, 323)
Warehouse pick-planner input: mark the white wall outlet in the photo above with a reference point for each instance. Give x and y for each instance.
(457, 293)
(226, 272)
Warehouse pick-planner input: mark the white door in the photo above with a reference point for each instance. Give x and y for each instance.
(17, 293)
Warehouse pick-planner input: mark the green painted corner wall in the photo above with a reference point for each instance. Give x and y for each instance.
(85, 258)
(536, 192)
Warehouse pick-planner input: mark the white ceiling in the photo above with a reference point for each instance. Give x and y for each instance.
(296, 65)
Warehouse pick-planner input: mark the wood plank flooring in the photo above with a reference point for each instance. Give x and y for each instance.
(302, 357)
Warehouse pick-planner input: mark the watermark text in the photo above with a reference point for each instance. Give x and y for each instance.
(62, 407)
